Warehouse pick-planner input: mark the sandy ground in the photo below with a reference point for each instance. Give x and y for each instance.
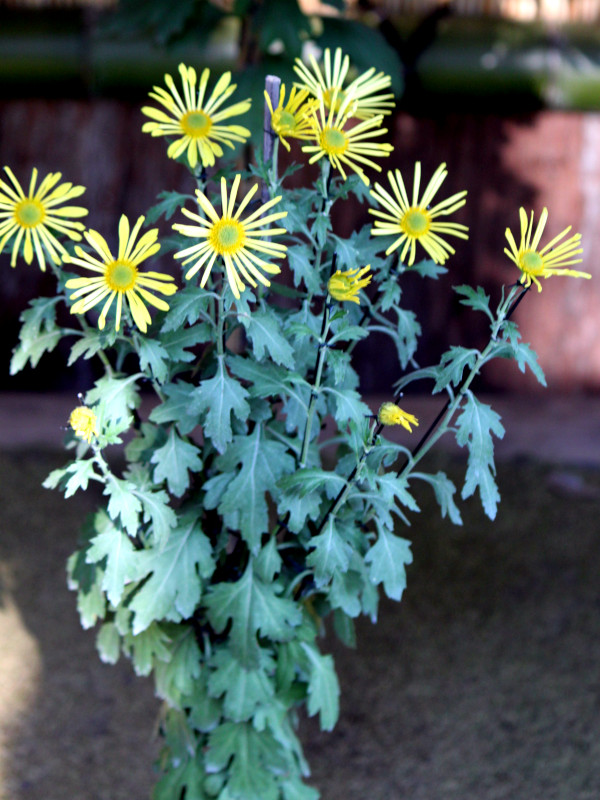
(483, 683)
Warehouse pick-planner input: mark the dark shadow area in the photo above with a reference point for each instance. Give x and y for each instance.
(482, 683)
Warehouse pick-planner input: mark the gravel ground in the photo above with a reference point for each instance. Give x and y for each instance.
(483, 683)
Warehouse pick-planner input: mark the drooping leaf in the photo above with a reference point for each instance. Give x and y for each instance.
(39, 333)
(121, 566)
(474, 428)
(217, 399)
(323, 687)
(330, 553)
(387, 560)
(173, 461)
(261, 463)
(254, 608)
(113, 397)
(177, 407)
(176, 572)
(242, 689)
(268, 340)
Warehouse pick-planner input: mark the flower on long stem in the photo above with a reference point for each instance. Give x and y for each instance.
(417, 221)
(195, 119)
(239, 241)
(535, 262)
(33, 218)
(346, 146)
(119, 276)
(391, 414)
(291, 119)
(328, 85)
(345, 286)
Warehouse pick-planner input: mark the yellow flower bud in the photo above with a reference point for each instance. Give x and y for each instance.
(344, 286)
(84, 423)
(391, 414)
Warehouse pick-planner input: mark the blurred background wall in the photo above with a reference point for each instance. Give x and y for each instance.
(506, 92)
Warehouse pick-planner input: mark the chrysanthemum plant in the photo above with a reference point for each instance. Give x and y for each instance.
(261, 503)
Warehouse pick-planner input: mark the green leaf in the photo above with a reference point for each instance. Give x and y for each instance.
(294, 789)
(173, 460)
(114, 397)
(301, 260)
(121, 558)
(323, 687)
(185, 307)
(173, 590)
(249, 754)
(312, 479)
(157, 511)
(147, 647)
(108, 643)
(87, 346)
(348, 405)
(452, 366)
(177, 407)
(475, 298)
(474, 428)
(429, 269)
(242, 689)
(253, 607)
(177, 342)
(80, 472)
(170, 202)
(444, 493)
(39, 333)
(122, 504)
(176, 679)
(330, 554)
(261, 463)
(219, 398)
(387, 559)
(154, 357)
(264, 329)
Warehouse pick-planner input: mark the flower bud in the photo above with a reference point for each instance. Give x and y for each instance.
(391, 414)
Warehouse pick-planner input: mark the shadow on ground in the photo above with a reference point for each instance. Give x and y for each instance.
(484, 682)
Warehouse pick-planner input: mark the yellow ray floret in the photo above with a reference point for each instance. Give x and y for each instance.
(119, 276)
(346, 146)
(291, 120)
(239, 241)
(417, 221)
(195, 120)
(35, 217)
(328, 85)
(391, 414)
(345, 286)
(535, 262)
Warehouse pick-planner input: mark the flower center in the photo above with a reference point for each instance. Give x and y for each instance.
(227, 236)
(328, 96)
(531, 262)
(415, 222)
(334, 141)
(29, 213)
(120, 276)
(196, 124)
(283, 121)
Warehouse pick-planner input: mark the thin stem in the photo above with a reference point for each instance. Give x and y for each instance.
(433, 433)
(318, 369)
(353, 477)
(221, 323)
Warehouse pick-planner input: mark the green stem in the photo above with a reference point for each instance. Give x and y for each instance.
(221, 323)
(441, 423)
(316, 386)
(352, 478)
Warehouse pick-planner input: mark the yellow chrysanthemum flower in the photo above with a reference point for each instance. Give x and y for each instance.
(391, 414)
(416, 221)
(237, 240)
(119, 277)
(329, 86)
(345, 286)
(194, 120)
(30, 216)
(342, 145)
(550, 260)
(291, 119)
(84, 422)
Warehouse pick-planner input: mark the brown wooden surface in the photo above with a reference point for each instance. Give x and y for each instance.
(549, 158)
